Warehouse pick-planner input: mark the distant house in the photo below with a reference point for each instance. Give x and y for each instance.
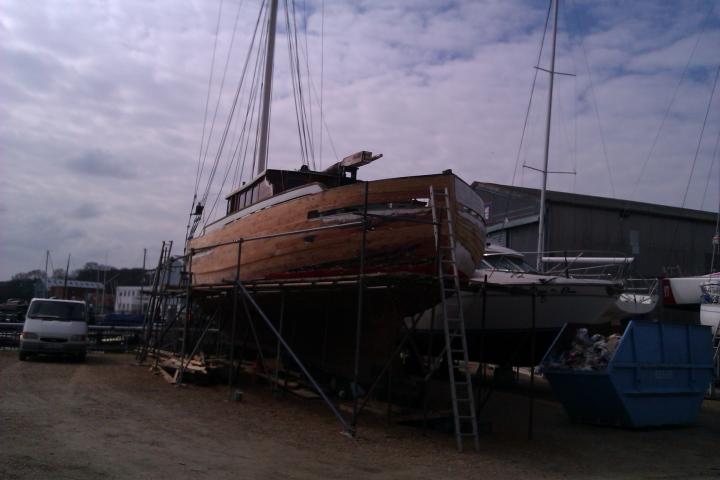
(131, 299)
(73, 289)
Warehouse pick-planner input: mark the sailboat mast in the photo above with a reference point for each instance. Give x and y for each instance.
(267, 89)
(541, 220)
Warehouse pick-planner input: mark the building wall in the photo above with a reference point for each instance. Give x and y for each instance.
(663, 240)
(660, 245)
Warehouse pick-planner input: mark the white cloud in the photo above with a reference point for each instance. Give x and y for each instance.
(103, 105)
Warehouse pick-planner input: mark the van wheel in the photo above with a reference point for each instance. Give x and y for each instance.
(23, 356)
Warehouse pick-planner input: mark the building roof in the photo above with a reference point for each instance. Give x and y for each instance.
(598, 202)
(60, 282)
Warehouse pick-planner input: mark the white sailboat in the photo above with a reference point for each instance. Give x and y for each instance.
(498, 319)
(710, 307)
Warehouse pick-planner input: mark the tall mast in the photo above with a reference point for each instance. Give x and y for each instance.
(267, 89)
(45, 282)
(541, 220)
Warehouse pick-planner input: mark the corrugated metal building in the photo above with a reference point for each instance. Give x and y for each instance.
(664, 240)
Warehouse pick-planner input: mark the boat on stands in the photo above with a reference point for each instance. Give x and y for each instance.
(498, 320)
(710, 305)
(311, 223)
(686, 292)
(307, 224)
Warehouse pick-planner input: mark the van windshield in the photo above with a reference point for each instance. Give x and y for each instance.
(62, 311)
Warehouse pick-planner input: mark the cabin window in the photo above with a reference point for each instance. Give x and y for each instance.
(264, 190)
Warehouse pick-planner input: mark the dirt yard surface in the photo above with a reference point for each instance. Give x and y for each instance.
(110, 419)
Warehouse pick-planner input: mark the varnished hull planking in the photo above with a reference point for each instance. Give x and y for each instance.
(402, 243)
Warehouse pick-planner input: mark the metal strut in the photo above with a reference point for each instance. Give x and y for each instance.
(461, 389)
(713, 390)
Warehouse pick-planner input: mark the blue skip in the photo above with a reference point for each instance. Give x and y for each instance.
(657, 376)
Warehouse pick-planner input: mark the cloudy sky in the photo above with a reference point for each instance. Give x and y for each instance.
(103, 104)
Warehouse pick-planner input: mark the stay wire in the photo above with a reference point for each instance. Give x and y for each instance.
(702, 132)
(250, 119)
(241, 83)
(302, 114)
(713, 159)
(201, 164)
(697, 151)
(293, 83)
(717, 217)
(527, 111)
(597, 111)
(672, 99)
(222, 82)
(322, 74)
(223, 137)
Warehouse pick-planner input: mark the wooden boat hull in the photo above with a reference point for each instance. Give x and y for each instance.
(320, 234)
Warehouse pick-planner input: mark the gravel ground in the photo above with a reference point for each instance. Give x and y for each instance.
(110, 419)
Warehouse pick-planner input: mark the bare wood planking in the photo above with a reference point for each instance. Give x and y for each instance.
(323, 249)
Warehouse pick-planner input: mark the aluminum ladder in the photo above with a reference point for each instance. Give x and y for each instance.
(156, 300)
(461, 389)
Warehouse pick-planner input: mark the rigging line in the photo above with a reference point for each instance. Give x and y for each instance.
(306, 139)
(717, 217)
(313, 89)
(306, 106)
(223, 138)
(251, 111)
(222, 185)
(252, 105)
(298, 121)
(227, 171)
(222, 82)
(244, 133)
(234, 160)
(597, 114)
(307, 70)
(200, 166)
(672, 100)
(322, 74)
(532, 92)
(527, 112)
(702, 131)
(52, 266)
(573, 144)
(231, 114)
(712, 165)
(259, 106)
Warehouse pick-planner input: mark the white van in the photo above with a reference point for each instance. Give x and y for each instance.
(54, 327)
